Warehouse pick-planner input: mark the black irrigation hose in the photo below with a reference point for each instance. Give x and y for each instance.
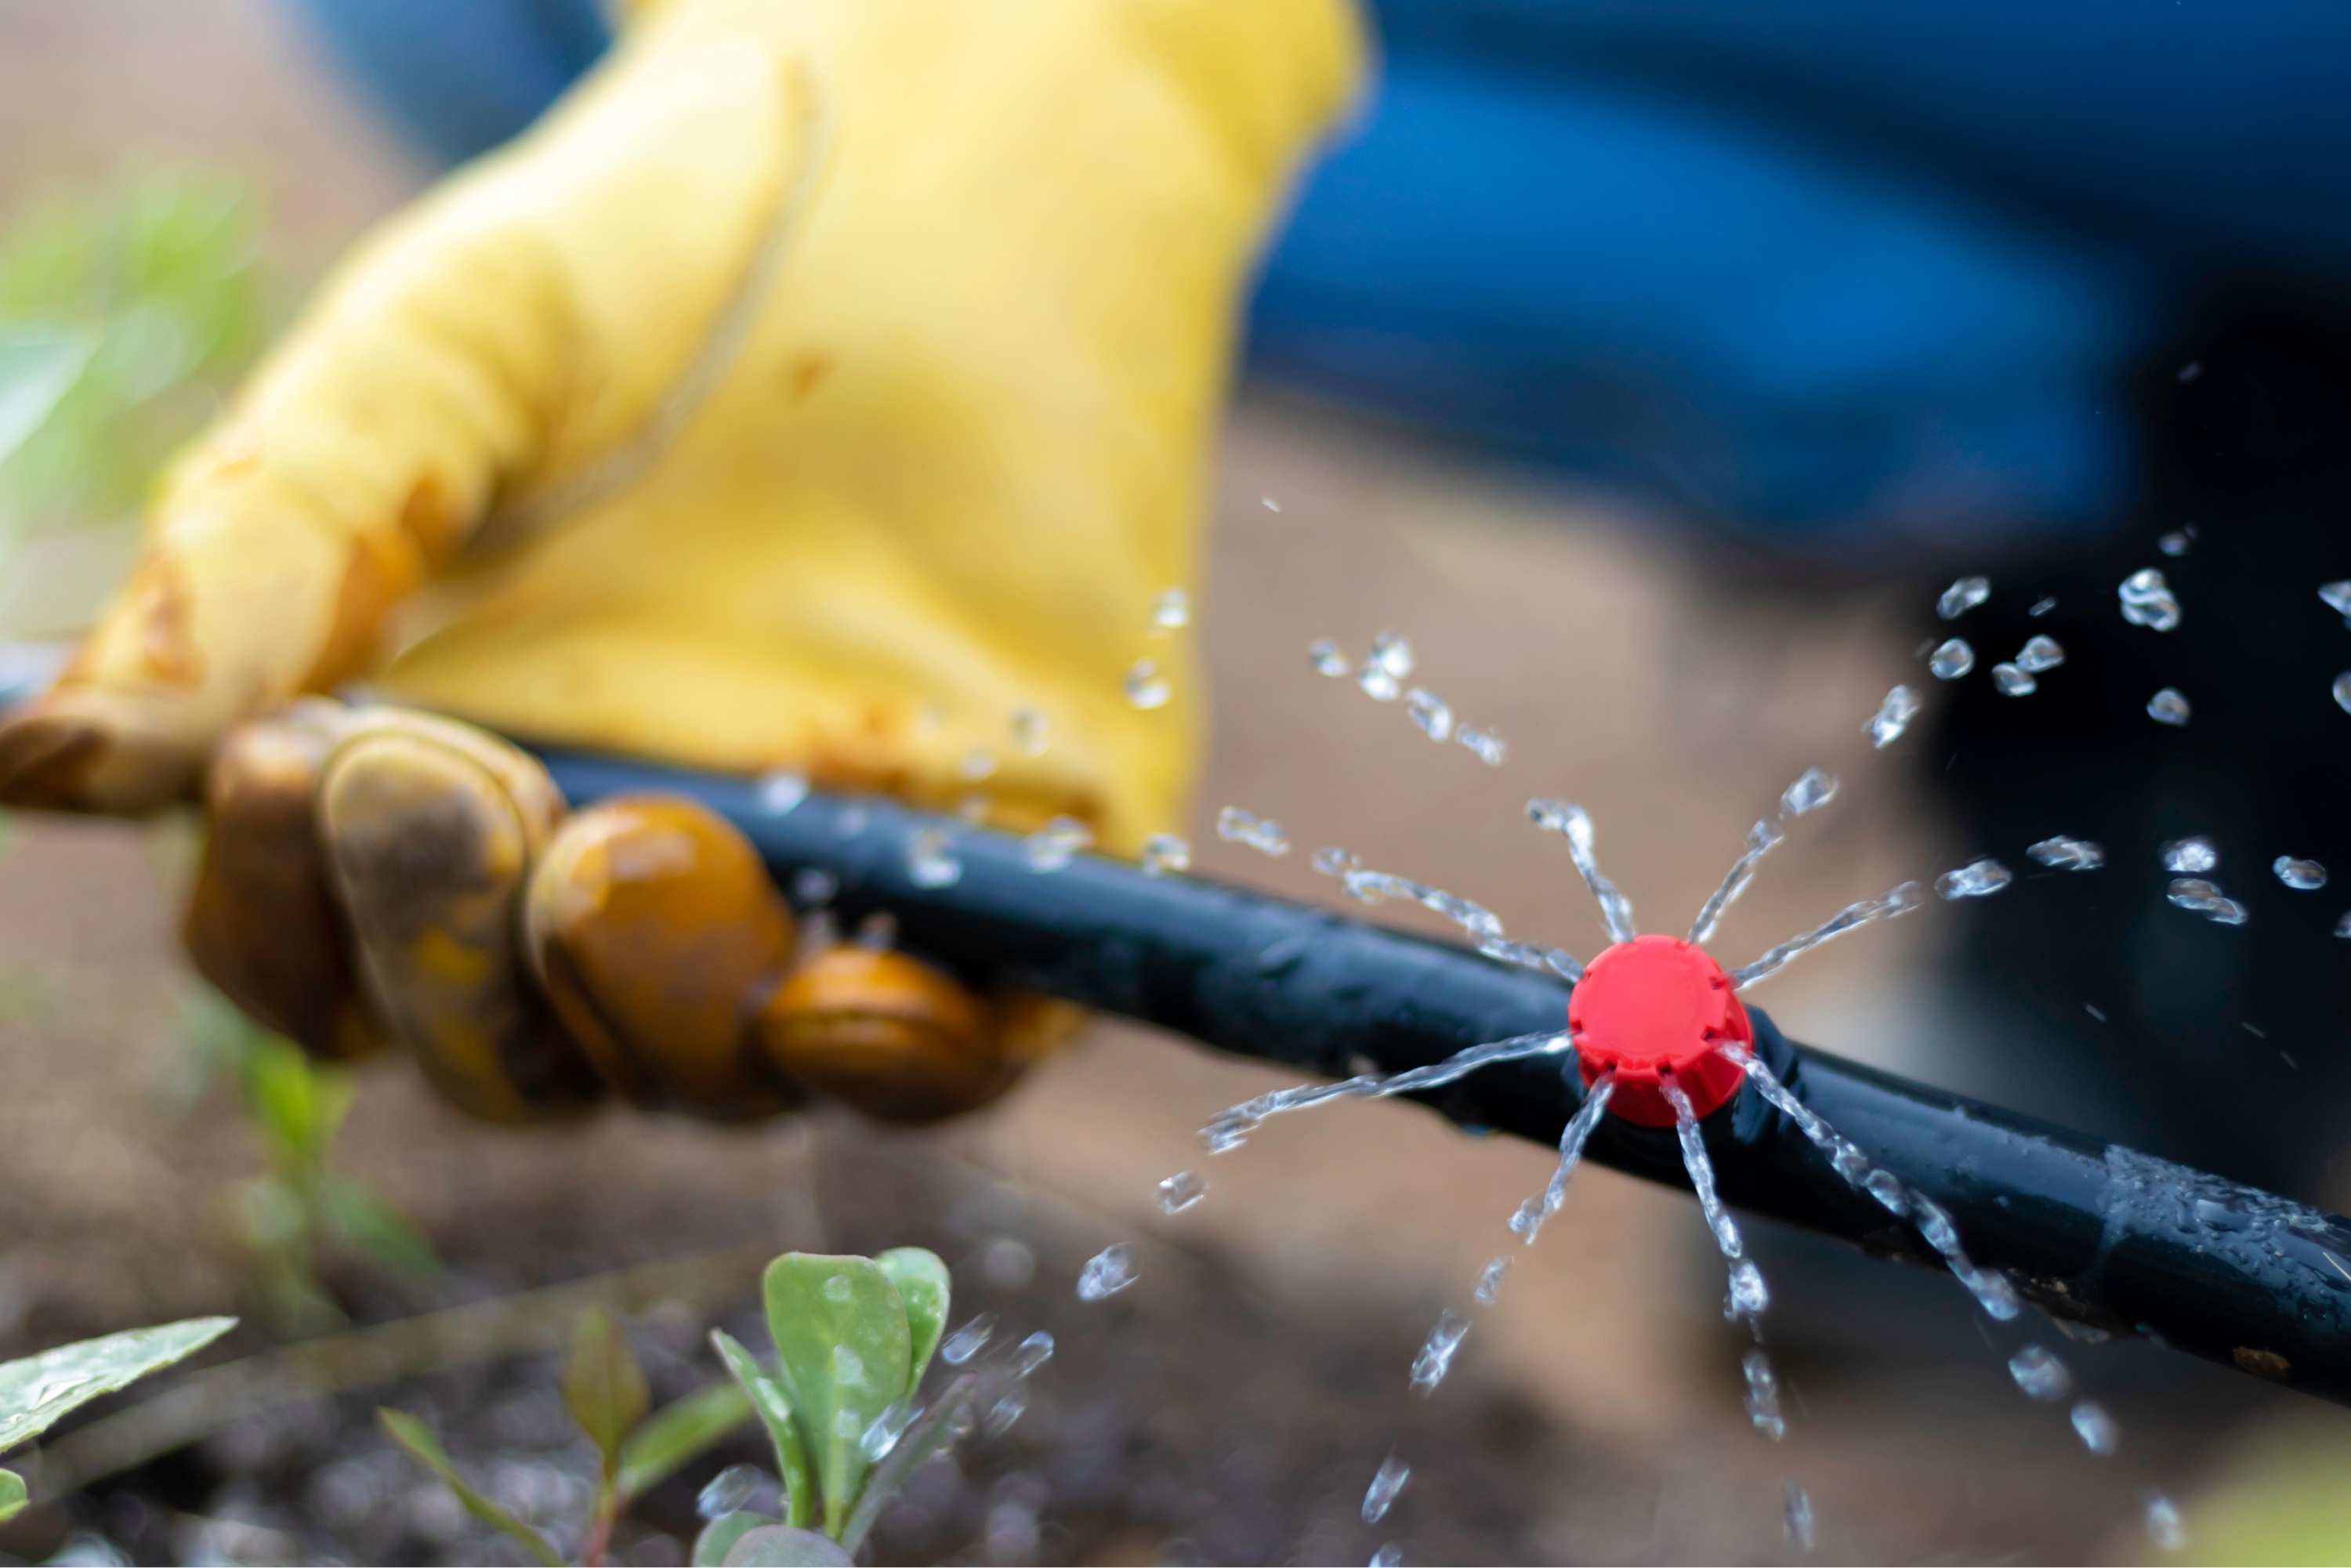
(2092, 1232)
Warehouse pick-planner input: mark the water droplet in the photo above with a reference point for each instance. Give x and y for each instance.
(2174, 543)
(1181, 1191)
(2042, 607)
(1106, 1274)
(1029, 731)
(1329, 658)
(2147, 601)
(1332, 861)
(1172, 611)
(1816, 789)
(1799, 1509)
(1436, 1357)
(1145, 688)
(2039, 654)
(1430, 711)
(2342, 689)
(2302, 876)
(852, 822)
(979, 763)
(813, 887)
(1489, 748)
(2062, 853)
(779, 792)
(930, 863)
(969, 1341)
(887, 1427)
(1008, 1262)
(2200, 898)
(2039, 1373)
(731, 1490)
(1262, 835)
(2195, 855)
(1385, 667)
(1388, 1556)
(837, 1288)
(878, 932)
(1057, 843)
(2164, 1527)
(1963, 596)
(1163, 853)
(2168, 706)
(1270, 504)
(1382, 1496)
(2343, 926)
(1031, 1354)
(2191, 370)
(1010, 1407)
(2011, 682)
(1228, 1131)
(1977, 879)
(1894, 715)
(1763, 1394)
(2337, 596)
(1953, 660)
(2098, 1432)
(1489, 1281)
(1748, 1296)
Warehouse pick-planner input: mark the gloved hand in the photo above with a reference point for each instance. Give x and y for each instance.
(824, 385)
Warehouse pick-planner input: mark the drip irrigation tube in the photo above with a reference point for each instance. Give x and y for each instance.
(2092, 1232)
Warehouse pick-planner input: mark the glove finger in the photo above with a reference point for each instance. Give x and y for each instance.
(430, 829)
(899, 1040)
(262, 923)
(656, 935)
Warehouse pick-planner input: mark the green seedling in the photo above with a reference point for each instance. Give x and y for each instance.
(637, 1447)
(36, 1390)
(854, 1337)
(300, 1203)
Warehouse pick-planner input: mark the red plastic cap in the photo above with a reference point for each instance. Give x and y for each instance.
(1658, 1006)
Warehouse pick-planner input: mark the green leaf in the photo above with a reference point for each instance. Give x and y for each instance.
(675, 1433)
(845, 1349)
(773, 1408)
(13, 1495)
(37, 370)
(369, 1226)
(924, 1287)
(783, 1546)
(36, 1390)
(719, 1536)
(425, 1449)
(604, 1386)
(932, 1433)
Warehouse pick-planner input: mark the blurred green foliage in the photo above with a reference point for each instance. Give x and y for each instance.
(300, 1204)
(160, 272)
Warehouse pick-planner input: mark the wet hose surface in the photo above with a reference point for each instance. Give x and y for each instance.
(2094, 1233)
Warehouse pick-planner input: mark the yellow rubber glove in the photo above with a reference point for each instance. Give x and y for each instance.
(824, 385)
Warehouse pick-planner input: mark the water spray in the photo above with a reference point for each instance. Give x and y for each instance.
(2098, 1235)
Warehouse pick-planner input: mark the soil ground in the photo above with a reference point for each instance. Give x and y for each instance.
(1232, 1405)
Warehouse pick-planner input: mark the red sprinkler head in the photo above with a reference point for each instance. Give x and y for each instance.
(1653, 1007)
